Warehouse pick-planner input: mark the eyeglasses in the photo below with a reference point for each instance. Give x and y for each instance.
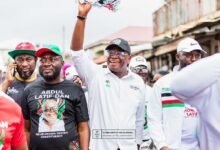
(52, 59)
(191, 55)
(117, 53)
(50, 109)
(139, 69)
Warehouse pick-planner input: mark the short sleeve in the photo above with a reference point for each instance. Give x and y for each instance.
(80, 106)
(24, 105)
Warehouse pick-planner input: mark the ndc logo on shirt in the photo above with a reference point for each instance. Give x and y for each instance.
(107, 83)
(116, 41)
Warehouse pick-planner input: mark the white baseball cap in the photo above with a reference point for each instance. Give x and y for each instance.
(188, 45)
(137, 61)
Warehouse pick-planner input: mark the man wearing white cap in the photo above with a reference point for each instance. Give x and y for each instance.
(203, 93)
(139, 65)
(173, 125)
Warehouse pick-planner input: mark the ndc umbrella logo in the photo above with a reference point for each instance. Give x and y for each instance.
(116, 41)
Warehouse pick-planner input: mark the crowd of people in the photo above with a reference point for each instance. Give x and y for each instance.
(85, 106)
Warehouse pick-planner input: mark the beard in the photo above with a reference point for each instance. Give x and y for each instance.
(50, 77)
(182, 65)
(24, 75)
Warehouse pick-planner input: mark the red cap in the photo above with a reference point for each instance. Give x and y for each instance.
(23, 48)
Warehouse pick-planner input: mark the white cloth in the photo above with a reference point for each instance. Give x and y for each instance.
(146, 133)
(202, 92)
(190, 129)
(113, 103)
(166, 118)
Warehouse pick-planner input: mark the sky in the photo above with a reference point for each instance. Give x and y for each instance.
(52, 21)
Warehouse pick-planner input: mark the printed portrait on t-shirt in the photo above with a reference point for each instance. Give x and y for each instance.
(51, 115)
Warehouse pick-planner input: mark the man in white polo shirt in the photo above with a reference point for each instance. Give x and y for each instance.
(202, 92)
(173, 124)
(115, 94)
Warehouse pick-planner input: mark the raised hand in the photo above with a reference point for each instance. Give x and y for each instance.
(10, 70)
(84, 9)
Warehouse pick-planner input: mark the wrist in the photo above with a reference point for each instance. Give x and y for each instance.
(8, 82)
(81, 17)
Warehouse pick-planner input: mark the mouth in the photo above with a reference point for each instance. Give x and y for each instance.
(25, 70)
(114, 61)
(48, 71)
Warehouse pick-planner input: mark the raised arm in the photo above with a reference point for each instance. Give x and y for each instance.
(85, 66)
(78, 33)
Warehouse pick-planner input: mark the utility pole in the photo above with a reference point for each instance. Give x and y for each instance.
(63, 38)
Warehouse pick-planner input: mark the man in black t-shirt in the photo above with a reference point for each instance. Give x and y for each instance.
(20, 73)
(55, 109)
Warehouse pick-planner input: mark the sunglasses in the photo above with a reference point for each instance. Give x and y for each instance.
(139, 69)
(121, 54)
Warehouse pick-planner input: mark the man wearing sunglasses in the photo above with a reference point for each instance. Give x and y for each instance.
(115, 94)
(140, 66)
(172, 123)
(202, 92)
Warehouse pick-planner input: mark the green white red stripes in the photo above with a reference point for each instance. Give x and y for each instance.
(172, 103)
(168, 100)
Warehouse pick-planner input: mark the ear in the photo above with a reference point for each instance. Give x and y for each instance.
(128, 59)
(62, 62)
(177, 56)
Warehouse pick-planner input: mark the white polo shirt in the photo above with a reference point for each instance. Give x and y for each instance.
(116, 105)
(200, 87)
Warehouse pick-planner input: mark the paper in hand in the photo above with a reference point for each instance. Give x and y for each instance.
(110, 4)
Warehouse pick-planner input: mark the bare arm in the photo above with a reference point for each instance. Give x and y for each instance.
(78, 33)
(22, 147)
(83, 130)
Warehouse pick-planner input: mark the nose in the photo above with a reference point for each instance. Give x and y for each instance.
(193, 58)
(47, 62)
(24, 63)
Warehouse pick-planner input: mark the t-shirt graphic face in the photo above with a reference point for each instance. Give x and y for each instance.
(51, 115)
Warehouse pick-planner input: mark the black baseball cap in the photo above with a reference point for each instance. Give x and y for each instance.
(121, 43)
